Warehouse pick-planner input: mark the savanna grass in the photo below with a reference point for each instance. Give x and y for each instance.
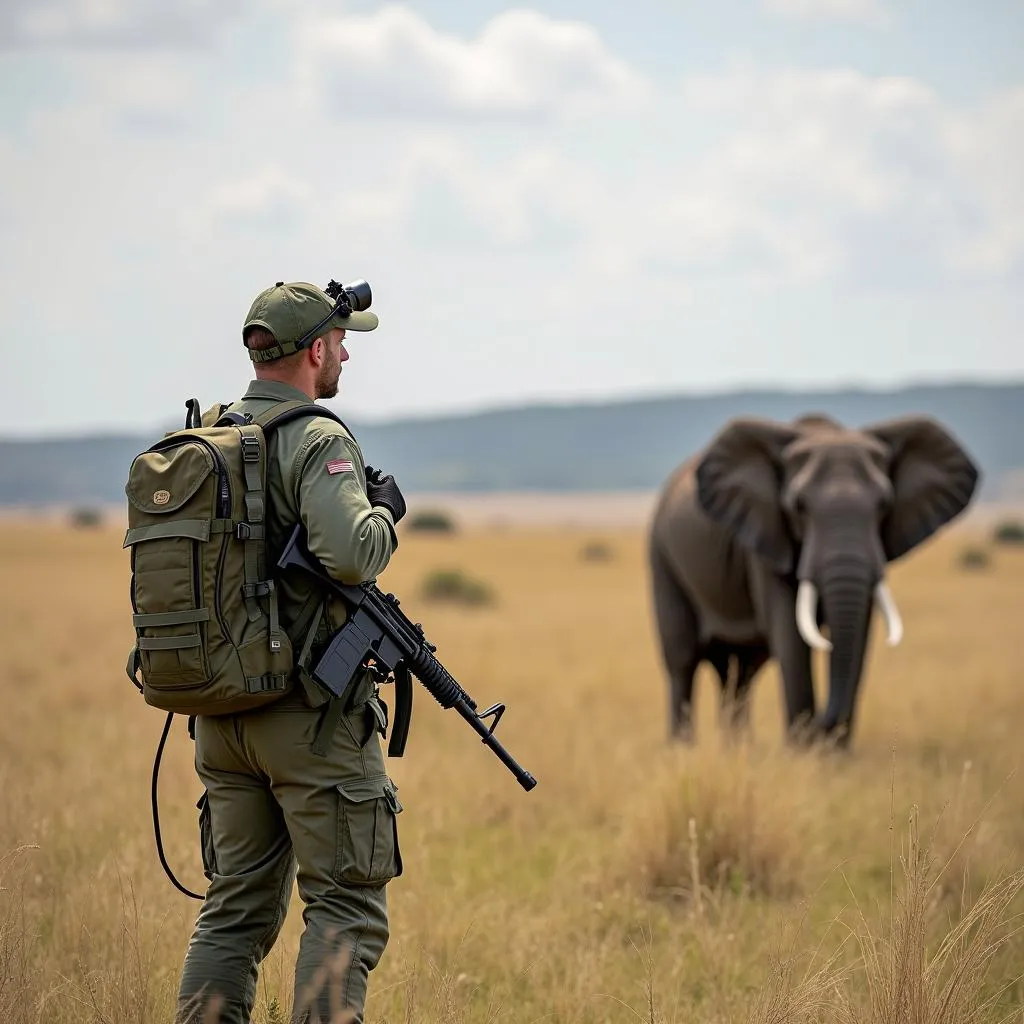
(734, 881)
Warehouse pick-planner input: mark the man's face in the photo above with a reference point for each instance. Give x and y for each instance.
(335, 354)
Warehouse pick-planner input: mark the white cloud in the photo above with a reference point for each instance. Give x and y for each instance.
(434, 191)
(988, 147)
(268, 195)
(521, 64)
(838, 173)
(119, 23)
(871, 12)
(209, 174)
(829, 175)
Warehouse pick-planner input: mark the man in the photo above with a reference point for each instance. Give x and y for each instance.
(298, 790)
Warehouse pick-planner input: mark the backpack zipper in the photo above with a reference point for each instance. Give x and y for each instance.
(223, 512)
(223, 479)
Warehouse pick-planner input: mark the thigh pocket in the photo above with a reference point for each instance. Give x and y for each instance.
(206, 836)
(367, 850)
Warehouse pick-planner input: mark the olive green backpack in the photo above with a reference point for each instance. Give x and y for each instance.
(208, 637)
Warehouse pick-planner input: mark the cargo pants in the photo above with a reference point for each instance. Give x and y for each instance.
(273, 811)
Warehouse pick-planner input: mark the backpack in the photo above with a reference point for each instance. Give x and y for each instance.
(204, 603)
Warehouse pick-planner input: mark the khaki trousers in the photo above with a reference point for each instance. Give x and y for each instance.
(274, 811)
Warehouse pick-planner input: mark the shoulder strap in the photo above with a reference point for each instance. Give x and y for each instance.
(285, 412)
(252, 531)
(277, 416)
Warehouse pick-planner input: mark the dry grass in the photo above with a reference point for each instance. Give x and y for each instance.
(637, 882)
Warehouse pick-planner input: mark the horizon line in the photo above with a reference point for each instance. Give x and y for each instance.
(568, 403)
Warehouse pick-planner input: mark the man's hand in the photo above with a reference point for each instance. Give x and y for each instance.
(382, 490)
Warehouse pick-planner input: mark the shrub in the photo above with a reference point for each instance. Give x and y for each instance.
(433, 520)
(454, 586)
(1010, 531)
(973, 558)
(86, 518)
(596, 551)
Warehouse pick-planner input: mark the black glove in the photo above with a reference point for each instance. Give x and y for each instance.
(382, 490)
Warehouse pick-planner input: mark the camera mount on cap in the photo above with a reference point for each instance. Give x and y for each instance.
(351, 297)
(348, 298)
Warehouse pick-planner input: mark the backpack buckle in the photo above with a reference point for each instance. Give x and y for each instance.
(250, 449)
(250, 531)
(262, 589)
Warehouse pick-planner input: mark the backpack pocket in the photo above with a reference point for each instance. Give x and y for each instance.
(170, 642)
(172, 498)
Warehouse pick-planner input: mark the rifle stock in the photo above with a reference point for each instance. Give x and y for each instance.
(377, 628)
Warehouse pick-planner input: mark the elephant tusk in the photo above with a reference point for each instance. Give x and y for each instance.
(884, 598)
(806, 616)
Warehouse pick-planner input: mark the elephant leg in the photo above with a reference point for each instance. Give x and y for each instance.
(679, 635)
(719, 656)
(777, 601)
(747, 661)
(724, 659)
(798, 689)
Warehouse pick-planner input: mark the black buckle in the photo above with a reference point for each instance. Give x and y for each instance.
(262, 589)
(242, 531)
(250, 449)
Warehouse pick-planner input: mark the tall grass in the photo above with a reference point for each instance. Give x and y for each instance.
(727, 883)
(725, 822)
(17, 937)
(956, 977)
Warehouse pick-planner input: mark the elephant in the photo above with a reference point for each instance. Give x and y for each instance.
(776, 530)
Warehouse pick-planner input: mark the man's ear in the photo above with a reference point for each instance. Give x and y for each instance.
(317, 351)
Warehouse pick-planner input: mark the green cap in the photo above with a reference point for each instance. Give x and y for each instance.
(291, 311)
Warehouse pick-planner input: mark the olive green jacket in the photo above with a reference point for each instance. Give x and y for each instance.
(316, 475)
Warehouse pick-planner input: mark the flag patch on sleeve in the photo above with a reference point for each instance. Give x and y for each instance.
(339, 466)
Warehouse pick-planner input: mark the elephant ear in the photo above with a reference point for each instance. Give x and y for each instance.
(933, 480)
(738, 485)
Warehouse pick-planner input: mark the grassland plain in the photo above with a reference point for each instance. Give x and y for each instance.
(722, 883)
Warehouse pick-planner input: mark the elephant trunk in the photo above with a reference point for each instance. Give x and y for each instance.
(842, 566)
(846, 596)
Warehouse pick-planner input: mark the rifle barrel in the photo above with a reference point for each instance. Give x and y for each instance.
(523, 777)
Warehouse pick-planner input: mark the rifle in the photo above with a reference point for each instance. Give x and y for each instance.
(377, 628)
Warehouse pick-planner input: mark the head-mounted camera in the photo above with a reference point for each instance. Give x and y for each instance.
(348, 299)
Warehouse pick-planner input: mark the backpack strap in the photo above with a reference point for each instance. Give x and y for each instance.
(253, 531)
(285, 412)
(262, 583)
(233, 419)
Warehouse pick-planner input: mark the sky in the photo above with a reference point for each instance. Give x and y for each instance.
(578, 200)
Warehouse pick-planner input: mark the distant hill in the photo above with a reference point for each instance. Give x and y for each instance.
(628, 445)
